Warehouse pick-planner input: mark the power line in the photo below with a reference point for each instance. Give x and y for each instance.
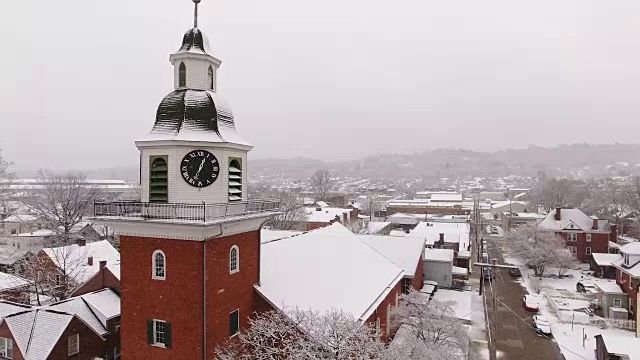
(526, 323)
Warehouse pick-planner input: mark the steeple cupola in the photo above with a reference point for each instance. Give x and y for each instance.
(194, 65)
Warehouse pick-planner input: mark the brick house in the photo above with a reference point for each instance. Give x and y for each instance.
(628, 274)
(83, 327)
(14, 288)
(583, 234)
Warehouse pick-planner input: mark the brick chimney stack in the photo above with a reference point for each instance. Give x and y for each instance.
(90, 261)
(558, 213)
(613, 237)
(441, 238)
(81, 242)
(103, 264)
(595, 224)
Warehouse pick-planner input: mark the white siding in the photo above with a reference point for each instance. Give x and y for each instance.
(197, 73)
(179, 190)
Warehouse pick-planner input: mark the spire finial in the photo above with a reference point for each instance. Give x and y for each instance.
(195, 14)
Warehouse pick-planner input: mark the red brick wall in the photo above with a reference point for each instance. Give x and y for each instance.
(381, 312)
(91, 345)
(426, 210)
(178, 299)
(599, 244)
(228, 292)
(629, 286)
(418, 279)
(101, 280)
(6, 333)
(19, 295)
(315, 225)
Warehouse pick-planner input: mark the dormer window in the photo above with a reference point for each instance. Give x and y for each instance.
(210, 79)
(182, 75)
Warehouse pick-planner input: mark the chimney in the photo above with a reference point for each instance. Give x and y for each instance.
(441, 238)
(595, 224)
(90, 260)
(81, 242)
(103, 264)
(558, 213)
(613, 237)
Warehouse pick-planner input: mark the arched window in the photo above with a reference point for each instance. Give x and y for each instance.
(182, 75)
(159, 265)
(234, 259)
(210, 78)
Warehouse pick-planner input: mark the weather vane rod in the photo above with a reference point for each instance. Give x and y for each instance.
(195, 14)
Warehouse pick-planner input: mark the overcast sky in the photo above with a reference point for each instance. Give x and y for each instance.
(331, 79)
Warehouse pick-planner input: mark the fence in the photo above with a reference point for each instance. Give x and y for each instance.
(185, 212)
(563, 309)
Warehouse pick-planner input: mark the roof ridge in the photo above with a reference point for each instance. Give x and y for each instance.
(92, 313)
(33, 326)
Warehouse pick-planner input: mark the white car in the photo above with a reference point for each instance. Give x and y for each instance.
(541, 325)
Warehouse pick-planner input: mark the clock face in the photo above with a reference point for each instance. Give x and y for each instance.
(199, 168)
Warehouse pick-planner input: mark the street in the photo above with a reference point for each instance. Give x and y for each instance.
(510, 325)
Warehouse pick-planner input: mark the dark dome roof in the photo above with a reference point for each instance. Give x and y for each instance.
(195, 41)
(197, 110)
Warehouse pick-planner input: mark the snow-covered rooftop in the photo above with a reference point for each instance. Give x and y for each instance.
(326, 268)
(442, 255)
(8, 281)
(406, 252)
(75, 258)
(603, 259)
(267, 235)
(631, 248)
(619, 345)
(569, 217)
(326, 214)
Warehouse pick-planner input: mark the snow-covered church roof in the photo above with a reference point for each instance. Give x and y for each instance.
(323, 269)
(194, 115)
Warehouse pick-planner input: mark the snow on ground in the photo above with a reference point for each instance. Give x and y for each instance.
(568, 337)
(478, 330)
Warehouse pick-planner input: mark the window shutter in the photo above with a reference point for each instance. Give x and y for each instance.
(234, 322)
(150, 338)
(167, 334)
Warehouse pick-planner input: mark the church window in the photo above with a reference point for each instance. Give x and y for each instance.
(210, 78)
(182, 75)
(235, 180)
(159, 265)
(234, 259)
(158, 180)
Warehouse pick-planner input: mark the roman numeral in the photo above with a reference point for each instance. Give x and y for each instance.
(199, 183)
(185, 175)
(215, 168)
(200, 153)
(184, 168)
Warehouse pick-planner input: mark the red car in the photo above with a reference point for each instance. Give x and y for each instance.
(530, 303)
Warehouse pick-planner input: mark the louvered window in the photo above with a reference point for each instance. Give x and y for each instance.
(235, 180)
(158, 181)
(210, 77)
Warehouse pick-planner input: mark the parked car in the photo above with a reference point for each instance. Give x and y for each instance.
(515, 272)
(541, 325)
(530, 303)
(584, 286)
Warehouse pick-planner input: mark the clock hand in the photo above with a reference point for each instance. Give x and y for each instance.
(200, 168)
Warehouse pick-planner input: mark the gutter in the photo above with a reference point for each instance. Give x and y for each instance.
(204, 293)
(371, 309)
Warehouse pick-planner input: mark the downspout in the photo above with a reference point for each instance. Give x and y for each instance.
(204, 294)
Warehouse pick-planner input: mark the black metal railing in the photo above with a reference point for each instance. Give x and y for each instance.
(179, 211)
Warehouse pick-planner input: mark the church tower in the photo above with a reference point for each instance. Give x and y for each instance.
(190, 249)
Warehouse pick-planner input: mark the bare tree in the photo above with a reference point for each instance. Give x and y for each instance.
(536, 249)
(434, 331)
(321, 183)
(6, 177)
(291, 212)
(302, 335)
(555, 192)
(563, 260)
(62, 201)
